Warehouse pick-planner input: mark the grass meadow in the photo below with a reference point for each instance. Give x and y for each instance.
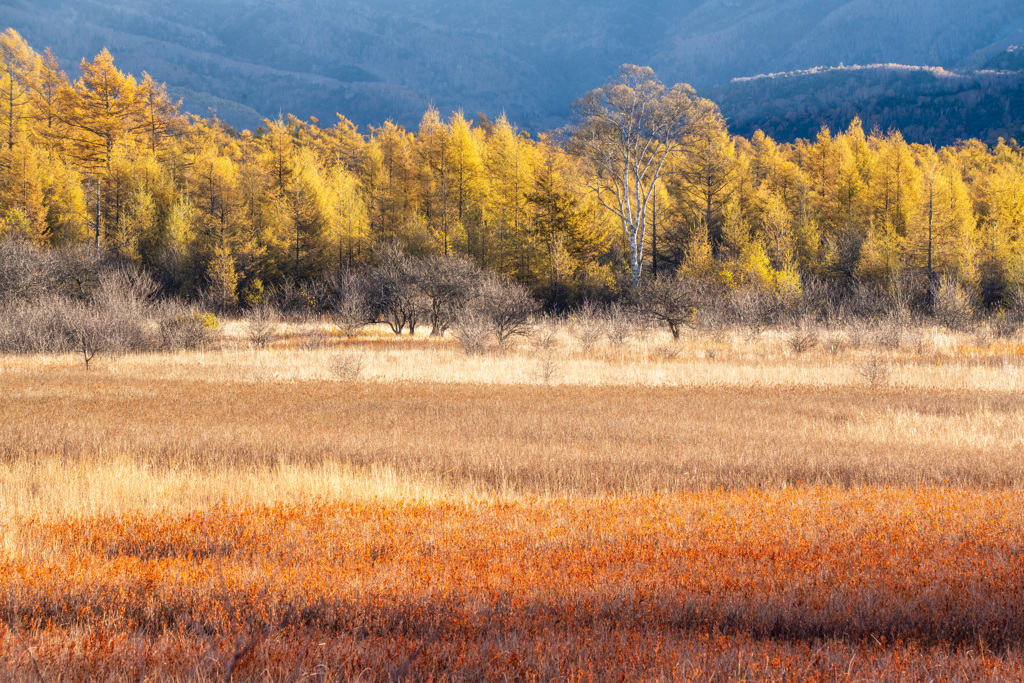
(842, 506)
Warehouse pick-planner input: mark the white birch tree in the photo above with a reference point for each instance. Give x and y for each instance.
(629, 129)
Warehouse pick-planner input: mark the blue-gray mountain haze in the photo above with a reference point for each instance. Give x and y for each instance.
(250, 59)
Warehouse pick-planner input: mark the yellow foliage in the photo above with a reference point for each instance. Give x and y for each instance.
(109, 160)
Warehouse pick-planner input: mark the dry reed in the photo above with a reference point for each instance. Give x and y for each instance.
(634, 508)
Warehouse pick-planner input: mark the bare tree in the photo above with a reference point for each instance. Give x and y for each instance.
(672, 301)
(629, 129)
(447, 283)
(503, 306)
(86, 329)
(394, 291)
(348, 301)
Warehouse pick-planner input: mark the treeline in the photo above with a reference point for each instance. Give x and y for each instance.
(108, 161)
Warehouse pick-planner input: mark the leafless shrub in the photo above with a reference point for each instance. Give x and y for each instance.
(350, 319)
(711, 322)
(315, 299)
(182, 329)
(643, 326)
(299, 301)
(906, 294)
(28, 272)
(835, 343)
(867, 300)
(888, 336)
(124, 302)
(754, 310)
(621, 323)
(24, 271)
(802, 340)
(114, 318)
(856, 334)
(1006, 324)
(403, 291)
(349, 307)
(545, 334)
(87, 336)
(1008, 321)
(666, 352)
(505, 306)
(952, 305)
(347, 367)
(587, 326)
(874, 370)
(41, 326)
(473, 331)
(983, 335)
(394, 292)
(821, 300)
(261, 325)
(74, 300)
(548, 368)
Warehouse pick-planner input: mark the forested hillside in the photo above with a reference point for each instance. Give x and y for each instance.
(108, 161)
(391, 59)
(929, 105)
(1011, 59)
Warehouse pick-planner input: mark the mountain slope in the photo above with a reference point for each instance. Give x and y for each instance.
(391, 58)
(928, 105)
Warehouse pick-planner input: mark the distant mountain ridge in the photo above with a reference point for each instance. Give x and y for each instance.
(927, 104)
(1012, 59)
(372, 61)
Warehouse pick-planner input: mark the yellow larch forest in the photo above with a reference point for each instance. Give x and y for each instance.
(109, 160)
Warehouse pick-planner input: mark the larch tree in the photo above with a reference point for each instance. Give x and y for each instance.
(67, 216)
(160, 114)
(508, 171)
(856, 169)
(310, 210)
(278, 152)
(560, 227)
(896, 183)
(51, 81)
(22, 191)
(468, 188)
(391, 182)
(434, 147)
(101, 109)
(701, 179)
(1000, 230)
(223, 279)
(107, 158)
(17, 84)
(930, 179)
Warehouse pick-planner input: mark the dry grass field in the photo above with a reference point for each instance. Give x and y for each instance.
(722, 508)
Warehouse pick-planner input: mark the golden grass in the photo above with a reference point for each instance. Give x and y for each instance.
(75, 441)
(635, 511)
(927, 359)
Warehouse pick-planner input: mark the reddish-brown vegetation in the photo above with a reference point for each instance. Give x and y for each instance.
(797, 583)
(169, 518)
